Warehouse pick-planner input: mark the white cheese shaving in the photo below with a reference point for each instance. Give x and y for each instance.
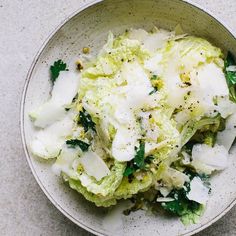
(206, 159)
(48, 142)
(63, 92)
(94, 165)
(198, 191)
(227, 136)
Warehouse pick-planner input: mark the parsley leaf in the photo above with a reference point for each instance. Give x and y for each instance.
(129, 170)
(182, 206)
(56, 68)
(72, 143)
(86, 120)
(230, 76)
(139, 161)
(139, 156)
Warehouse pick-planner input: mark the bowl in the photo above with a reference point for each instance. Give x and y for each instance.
(88, 27)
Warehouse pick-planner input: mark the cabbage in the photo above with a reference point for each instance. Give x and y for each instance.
(124, 191)
(192, 217)
(172, 178)
(193, 125)
(100, 201)
(121, 49)
(127, 189)
(190, 52)
(108, 184)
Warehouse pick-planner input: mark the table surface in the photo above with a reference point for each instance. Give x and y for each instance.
(25, 24)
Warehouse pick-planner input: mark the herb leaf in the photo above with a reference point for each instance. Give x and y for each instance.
(188, 210)
(139, 157)
(129, 170)
(72, 143)
(86, 120)
(181, 205)
(139, 161)
(56, 68)
(154, 77)
(230, 76)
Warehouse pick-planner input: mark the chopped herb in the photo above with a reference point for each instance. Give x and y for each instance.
(73, 143)
(56, 68)
(129, 170)
(230, 76)
(86, 121)
(139, 161)
(139, 157)
(154, 77)
(182, 206)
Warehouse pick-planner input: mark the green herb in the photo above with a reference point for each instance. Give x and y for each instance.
(188, 210)
(86, 120)
(139, 156)
(154, 77)
(129, 170)
(230, 76)
(56, 68)
(181, 206)
(73, 143)
(155, 83)
(139, 161)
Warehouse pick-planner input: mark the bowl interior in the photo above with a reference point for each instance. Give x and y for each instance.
(90, 28)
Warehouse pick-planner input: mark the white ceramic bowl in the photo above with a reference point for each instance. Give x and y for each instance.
(89, 27)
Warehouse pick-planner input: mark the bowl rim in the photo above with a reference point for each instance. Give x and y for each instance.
(22, 112)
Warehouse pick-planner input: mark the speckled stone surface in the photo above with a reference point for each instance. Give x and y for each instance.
(25, 24)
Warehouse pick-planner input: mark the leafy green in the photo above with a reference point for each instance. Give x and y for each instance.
(156, 84)
(86, 120)
(203, 131)
(213, 124)
(56, 68)
(230, 76)
(190, 211)
(72, 143)
(139, 157)
(139, 161)
(99, 201)
(154, 77)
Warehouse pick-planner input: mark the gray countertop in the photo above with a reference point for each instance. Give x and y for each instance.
(24, 25)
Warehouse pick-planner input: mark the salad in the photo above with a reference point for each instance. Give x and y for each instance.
(149, 119)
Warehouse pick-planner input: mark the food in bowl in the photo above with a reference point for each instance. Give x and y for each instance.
(150, 119)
